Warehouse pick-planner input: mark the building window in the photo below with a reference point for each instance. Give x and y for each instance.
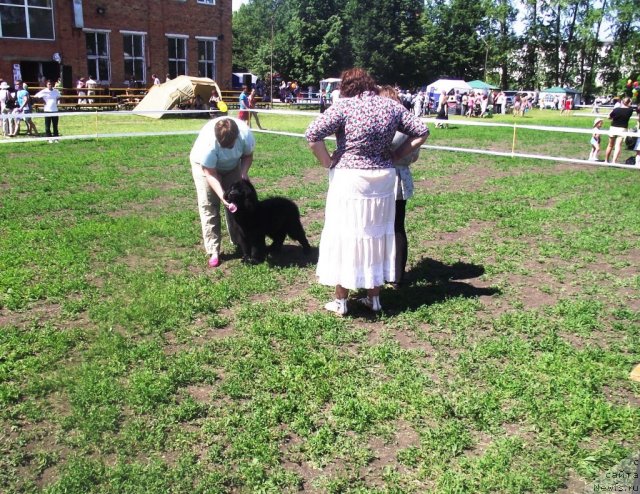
(177, 56)
(208, 2)
(98, 55)
(207, 58)
(134, 62)
(32, 19)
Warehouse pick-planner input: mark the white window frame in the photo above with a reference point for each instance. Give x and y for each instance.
(207, 2)
(172, 61)
(212, 61)
(143, 56)
(25, 5)
(106, 32)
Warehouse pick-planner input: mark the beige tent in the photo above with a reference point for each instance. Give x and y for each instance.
(176, 92)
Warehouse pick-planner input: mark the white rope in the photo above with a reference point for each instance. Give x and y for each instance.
(530, 156)
(570, 130)
(515, 126)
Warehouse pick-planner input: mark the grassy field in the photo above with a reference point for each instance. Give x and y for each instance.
(128, 366)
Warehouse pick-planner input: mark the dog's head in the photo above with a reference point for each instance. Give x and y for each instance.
(243, 195)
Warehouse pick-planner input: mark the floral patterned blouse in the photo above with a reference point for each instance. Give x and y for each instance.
(364, 127)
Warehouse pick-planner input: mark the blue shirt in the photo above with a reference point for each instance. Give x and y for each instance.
(21, 96)
(244, 101)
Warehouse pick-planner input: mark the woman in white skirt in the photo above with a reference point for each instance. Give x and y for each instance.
(357, 246)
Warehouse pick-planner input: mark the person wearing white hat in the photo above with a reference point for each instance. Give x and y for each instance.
(595, 139)
(50, 96)
(7, 121)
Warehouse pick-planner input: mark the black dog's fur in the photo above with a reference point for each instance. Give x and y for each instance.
(275, 218)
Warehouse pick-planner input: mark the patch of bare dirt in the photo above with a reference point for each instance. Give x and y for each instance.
(201, 393)
(476, 178)
(40, 313)
(152, 207)
(315, 175)
(574, 485)
(622, 395)
(197, 335)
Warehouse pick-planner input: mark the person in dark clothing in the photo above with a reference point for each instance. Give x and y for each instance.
(619, 124)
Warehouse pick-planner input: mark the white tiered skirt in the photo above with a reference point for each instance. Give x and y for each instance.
(357, 246)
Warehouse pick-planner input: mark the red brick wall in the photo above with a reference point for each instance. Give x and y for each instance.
(155, 17)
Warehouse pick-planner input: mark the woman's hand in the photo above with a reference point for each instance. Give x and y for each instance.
(230, 206)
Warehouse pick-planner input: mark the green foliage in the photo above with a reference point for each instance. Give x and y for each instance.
(413, 43)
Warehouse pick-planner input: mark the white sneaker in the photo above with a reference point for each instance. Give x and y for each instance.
(337, 306)
(372, 303)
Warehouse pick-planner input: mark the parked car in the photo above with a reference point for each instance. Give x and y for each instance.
(510, 96)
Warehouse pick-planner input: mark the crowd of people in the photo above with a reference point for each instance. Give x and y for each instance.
(16, 107)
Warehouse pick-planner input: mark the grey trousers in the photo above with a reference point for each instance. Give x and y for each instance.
(209, 207)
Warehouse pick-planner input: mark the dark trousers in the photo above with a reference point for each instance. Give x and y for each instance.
(402, 247)
(47, 125)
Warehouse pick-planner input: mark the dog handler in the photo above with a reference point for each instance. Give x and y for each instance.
(221, 155)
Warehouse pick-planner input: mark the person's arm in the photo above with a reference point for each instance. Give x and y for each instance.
(407, 147)
(245, 163)
(326, 124)
(213, 179)
(319, 149)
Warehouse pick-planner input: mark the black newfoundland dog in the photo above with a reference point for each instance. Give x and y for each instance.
(275, 218)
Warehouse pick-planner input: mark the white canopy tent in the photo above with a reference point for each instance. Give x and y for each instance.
(447, 85)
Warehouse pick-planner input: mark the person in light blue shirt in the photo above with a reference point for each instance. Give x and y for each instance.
(24, 110)
(244, 104)
(221, 155)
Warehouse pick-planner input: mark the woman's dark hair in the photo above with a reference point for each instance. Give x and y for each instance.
(355, 82)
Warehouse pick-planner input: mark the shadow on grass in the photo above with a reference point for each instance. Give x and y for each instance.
(432, 281)
(291, 255)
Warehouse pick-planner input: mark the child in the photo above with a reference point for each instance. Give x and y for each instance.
(595, 139)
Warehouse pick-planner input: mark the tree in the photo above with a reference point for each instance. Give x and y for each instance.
(623, 52)
(501, 39)
(384, 37)
(414, 42)
(453, 35)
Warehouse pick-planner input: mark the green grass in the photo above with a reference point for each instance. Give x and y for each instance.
(128, 366)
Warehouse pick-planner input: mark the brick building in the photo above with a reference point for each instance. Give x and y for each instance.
(115, 41)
